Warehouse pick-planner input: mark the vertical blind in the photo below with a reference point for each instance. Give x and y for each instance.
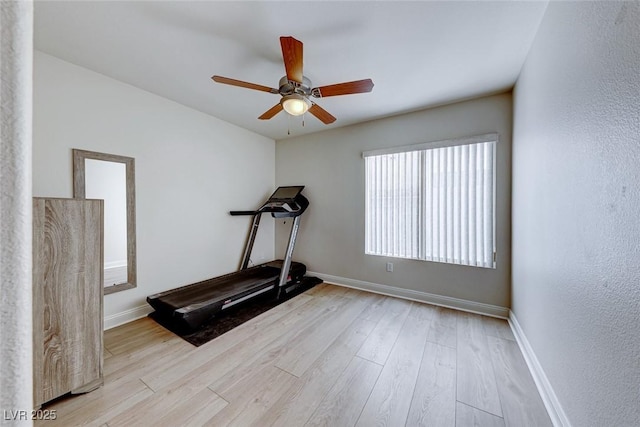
(432, 204)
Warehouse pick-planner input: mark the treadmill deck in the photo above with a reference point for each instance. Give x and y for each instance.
(195, 303)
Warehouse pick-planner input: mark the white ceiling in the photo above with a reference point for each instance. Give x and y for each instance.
(419, 54)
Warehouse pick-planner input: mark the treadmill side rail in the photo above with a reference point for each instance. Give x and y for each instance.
(246, 256)
(284, 273)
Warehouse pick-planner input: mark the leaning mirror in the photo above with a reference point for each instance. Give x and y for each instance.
(112, 179)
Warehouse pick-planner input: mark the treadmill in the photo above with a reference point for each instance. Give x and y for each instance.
(192, 305)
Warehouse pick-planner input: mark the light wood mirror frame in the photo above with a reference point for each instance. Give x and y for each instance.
(79, 191)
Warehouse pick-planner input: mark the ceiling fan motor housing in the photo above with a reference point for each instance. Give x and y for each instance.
(289, 87)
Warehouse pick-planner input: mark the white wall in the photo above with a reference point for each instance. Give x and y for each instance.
(576, 208)
(330, 165)
(191, 169)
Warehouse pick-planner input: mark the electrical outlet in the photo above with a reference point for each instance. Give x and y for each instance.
(390, 267)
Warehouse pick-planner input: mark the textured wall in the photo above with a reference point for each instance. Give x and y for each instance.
(576, 205)
(191, 170)
(16, 64)
(330, 164)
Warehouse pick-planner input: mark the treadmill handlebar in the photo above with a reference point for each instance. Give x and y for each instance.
(279, 208)
(239, 213)
(273, 208)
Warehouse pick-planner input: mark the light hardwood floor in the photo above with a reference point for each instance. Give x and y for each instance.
(332, 356)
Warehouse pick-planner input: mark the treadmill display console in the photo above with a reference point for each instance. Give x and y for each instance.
(286, 193)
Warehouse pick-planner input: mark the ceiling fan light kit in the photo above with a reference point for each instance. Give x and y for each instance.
(295, 104)
(295, 89)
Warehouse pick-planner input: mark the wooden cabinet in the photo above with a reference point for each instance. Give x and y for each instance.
(67, 296)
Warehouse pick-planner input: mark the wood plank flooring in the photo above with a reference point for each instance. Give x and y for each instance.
(332, 356)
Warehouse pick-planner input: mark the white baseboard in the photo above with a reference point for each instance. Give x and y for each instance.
(117, 319)
(444, 301)
(549, 398)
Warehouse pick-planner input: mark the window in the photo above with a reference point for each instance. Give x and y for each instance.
(433, 202)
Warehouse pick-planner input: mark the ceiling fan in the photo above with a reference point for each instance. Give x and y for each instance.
(296, 89)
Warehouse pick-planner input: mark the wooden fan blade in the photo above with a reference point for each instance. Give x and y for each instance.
(322, 114)
(347, 88)
(234, 82)
(271, 112)
(292, 56)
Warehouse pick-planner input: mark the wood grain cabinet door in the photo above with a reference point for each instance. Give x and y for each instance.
(67, 295)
